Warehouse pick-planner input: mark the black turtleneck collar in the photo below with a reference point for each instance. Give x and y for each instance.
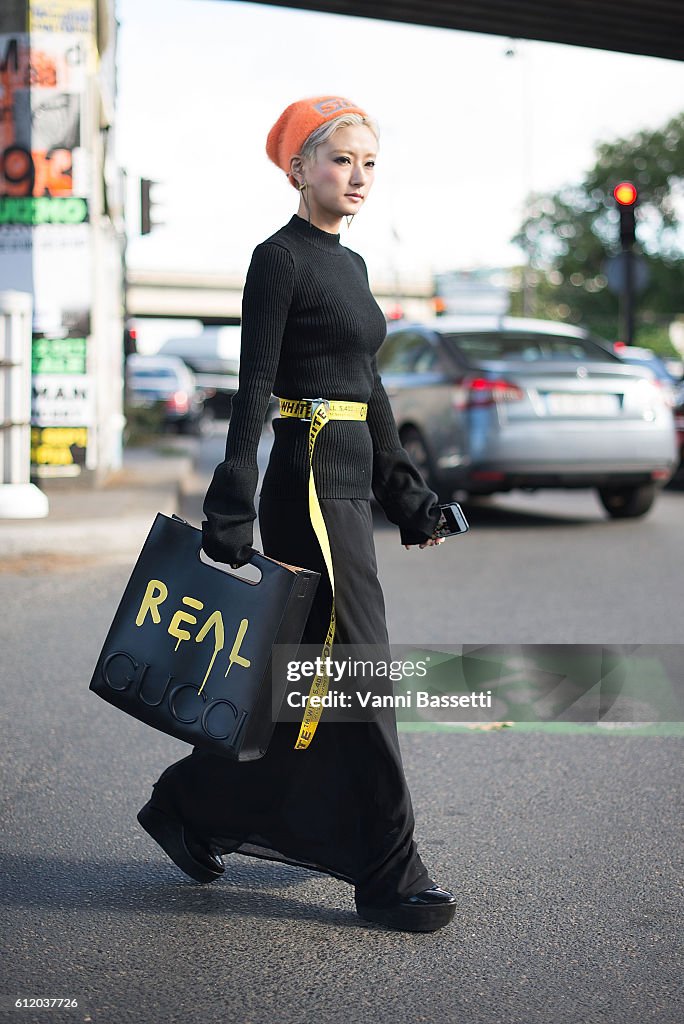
(319, 237)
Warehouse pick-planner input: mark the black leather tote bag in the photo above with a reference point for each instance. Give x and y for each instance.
(190, 649)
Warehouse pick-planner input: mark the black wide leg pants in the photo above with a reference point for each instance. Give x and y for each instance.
(342, 805)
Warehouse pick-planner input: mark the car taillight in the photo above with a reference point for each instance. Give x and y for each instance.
(179, 401)
(479, 391)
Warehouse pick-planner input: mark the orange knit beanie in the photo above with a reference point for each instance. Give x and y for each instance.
(295, 124)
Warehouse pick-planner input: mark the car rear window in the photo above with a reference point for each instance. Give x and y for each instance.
(523, 347)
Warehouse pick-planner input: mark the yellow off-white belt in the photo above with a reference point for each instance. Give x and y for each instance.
(319, 411)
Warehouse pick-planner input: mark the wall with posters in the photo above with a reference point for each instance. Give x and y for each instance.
(54, 229)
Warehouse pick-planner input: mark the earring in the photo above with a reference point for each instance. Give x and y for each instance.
(349, 219)
(306, 202)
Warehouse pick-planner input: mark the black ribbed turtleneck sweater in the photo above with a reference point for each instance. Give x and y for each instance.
(310, 329)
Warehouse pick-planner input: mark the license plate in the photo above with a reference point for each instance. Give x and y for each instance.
(579, 404)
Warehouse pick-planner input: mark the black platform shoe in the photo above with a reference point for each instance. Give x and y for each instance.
(425, 912)
(189, 854)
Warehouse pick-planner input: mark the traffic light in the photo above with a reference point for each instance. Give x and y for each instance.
(145, 219)
(130, 342)
(147, 222)
(626, 198)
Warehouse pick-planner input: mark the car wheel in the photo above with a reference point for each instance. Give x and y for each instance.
(627, 502)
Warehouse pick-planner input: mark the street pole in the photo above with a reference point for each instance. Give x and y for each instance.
(627, 298)
(626, 195)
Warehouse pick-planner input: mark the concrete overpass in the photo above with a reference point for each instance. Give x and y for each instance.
(654, 28)
(217, 298)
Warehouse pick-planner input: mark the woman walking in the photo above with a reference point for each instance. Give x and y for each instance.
(333, 798)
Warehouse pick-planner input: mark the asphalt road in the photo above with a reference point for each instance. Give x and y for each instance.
(564, 850)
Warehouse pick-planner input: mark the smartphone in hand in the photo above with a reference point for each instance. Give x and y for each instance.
(452, 521)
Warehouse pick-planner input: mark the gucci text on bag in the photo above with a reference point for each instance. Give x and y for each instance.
(190, 649)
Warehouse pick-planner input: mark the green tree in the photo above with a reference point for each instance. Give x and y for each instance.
(566, 236)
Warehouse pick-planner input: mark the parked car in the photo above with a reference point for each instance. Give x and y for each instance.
(165, 384)
(493, 404)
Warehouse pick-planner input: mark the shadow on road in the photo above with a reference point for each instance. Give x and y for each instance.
(45, 882)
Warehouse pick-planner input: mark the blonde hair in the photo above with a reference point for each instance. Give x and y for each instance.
(325, 130)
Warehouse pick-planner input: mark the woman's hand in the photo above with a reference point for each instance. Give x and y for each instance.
(427, 544)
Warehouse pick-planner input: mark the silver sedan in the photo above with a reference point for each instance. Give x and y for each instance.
(492, 404)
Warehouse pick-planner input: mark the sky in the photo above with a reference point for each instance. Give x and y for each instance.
(469, 124)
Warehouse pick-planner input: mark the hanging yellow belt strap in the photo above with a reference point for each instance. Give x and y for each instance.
(319, 411)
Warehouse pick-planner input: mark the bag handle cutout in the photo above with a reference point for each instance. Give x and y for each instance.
(248, 573)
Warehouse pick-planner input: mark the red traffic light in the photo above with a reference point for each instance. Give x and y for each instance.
(625, 193)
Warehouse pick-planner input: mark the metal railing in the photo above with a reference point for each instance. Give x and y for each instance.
(18, 497)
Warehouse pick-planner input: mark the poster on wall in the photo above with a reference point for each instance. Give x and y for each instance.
(62, 16)
(43, 87)
(45, 231)
(59, 451)
(54, 263)
(59, 355)
(62, 279)
(61, 400)
(50, 259)
(44, 170)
